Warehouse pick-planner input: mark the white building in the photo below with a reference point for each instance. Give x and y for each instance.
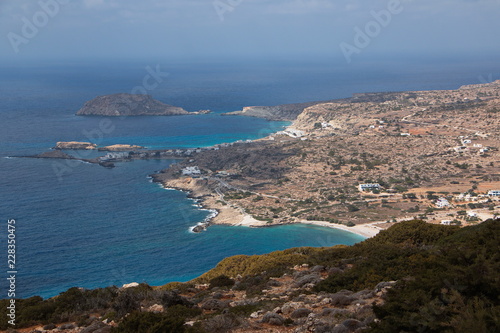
(494, 193)
(191, 171)
(114, 156)
(442, 203)
(369, 187)
(483, 150)
(292, 132)
(460, 149)
(471, 213)
(446, 222)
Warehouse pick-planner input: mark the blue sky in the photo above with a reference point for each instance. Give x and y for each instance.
(246, 28)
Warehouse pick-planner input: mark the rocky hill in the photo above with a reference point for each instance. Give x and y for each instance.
(128, 105)
(290, 112)
(413, 277)
(284, 112)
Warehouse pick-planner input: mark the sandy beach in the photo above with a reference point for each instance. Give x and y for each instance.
(366, 230)
(230, 214)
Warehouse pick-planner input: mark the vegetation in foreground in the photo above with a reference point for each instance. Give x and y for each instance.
(413, 277)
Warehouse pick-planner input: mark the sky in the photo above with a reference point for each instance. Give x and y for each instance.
(344, 29)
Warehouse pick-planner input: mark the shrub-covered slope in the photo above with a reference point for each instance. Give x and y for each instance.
(413, 277)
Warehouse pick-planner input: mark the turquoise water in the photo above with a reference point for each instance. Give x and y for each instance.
(101, 227)
(96, 227)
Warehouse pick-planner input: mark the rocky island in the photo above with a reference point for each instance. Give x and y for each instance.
(129, 105)
(75, 145)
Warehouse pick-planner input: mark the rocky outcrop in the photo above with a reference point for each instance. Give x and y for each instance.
(120, 148)
(285, 112)
(75, 145)
(128, 105)
(290, 112)
(54, 154)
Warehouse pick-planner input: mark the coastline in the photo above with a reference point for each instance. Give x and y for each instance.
(366, 230)
(222, 214)
(268, 162)
(232, 215)
(225, 213)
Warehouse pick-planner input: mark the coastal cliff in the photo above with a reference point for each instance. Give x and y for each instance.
(128, 105)
(290, 112)
(284, 112)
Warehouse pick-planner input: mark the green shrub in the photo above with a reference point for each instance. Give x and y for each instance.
(245, 310)
(221, 281)
(148, 322)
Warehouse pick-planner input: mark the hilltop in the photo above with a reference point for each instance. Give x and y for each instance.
(413, 277)
(284, 112)
(128, 105)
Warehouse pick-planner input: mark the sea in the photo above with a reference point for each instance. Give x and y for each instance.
(82, 225)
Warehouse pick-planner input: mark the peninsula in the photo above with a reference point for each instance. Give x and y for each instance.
(371, 160)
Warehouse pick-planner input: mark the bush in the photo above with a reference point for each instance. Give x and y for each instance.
(182, 312)
(148, 322)
(125, 303)
(244, 310)
(221, 323)
(352, 208)
(221, 281)
(171, 298)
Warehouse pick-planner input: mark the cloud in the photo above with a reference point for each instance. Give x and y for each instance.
(151, 27)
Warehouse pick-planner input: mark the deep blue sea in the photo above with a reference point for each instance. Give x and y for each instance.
(95, 227)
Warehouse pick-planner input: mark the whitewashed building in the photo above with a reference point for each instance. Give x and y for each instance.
(442, 203)
(191, 171)
(471, 213)
(368, 187)
(494, 193)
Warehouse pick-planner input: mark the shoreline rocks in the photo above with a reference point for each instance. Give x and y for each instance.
(120, 147)
(75, 145)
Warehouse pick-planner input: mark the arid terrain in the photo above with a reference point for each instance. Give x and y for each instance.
(431, 154)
